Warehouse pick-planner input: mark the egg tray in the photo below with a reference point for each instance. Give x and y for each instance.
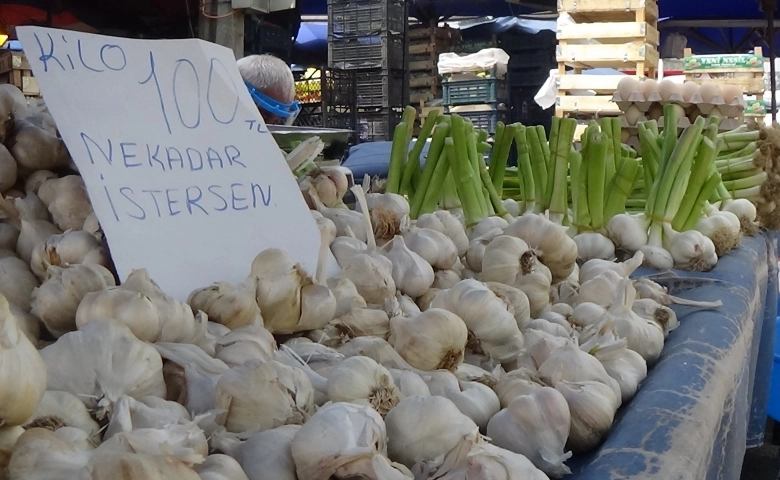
(735, 109)
(726, 124)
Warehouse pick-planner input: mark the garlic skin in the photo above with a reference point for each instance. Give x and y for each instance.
(592, 406)
(389, 211)
(136, 465)
(102, 362)
(432, 340)
(265, 455)
(486, 317)
(190, 375)
(475, 253)
(628, 232)
(373, 277)
(232, 305)
(624, 365)
(516, 383)
(9, 235)
(326, 226)
(409, 383)
(56, 301)
(363, 381)
(537, 426)
(445, 222)
(428, 431)
(31, 234)
(245, 343)
(516, 301)
(344, 248)
(8, 169)
(67, 201)
(475, 400)
(17, 282)
(559, 252)
(220, 467)
(347, 296)
(30, 207)
(342, 440)
(411, 273)
(433, 246)
(41, 454)
(145, 413)
(486, 225)
(594, 245)
(70, 248)
(488, 462)
(260, 395)
(573, 365)
(22, 371)
(62, 409)
(145, 309)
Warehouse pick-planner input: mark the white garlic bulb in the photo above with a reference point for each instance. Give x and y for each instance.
(41, 454)
(433, 246)
(30, 207)
(344, 248)
(184, 442)
(626, 366)
(373, 277)
(102, 362)
(220, 467)
(70, 248)
(17, 282)
(232, 305)
(260, 395)
(264, 455)
(592, 406)
(22, 371)
(475, 400)
(412, 275)
(145, 413)
(347, 296)
(62, 409)
(191, 375)
(361, 380)
(476, 250)
(445, 222)
(57, 300)
(432, 340)
(537, 426)
(31, 234)
(246, 343)
(409, 383)
(519, 382)
(516, 302)
(67, 201)
(559, 252)
(573, 365)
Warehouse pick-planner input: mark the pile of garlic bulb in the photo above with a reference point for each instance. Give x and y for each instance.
(438, 351)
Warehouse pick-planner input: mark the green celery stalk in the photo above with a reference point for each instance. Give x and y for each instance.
(700, 173)
(560, 161)
(413, 163)
(397, 159)
(542, 136)
(575, 164)
(706, 192)
(434, 193)
(554, 141)
(621, 187)
(440, 133)
(539, 165)
(475, 160)
(499, 169)
(525, 171)
(462, 172)
(596, 163)
(497, 139)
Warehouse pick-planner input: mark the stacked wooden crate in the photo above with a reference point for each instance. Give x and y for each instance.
(15, 69)
(627, 36)
(743, 70)
(426, 43)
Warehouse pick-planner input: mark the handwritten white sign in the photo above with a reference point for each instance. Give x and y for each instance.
(182, 173)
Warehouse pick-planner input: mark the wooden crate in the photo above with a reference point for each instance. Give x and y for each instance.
(749, 78)
(23, 80)
(11, 60)
(642, 56)
(591, 11)
(601, 105)
(610, 33)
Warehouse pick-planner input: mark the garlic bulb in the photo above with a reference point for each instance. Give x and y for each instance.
(412, 275)
(30, 207)
(342, 441)
(433, 246)
(445, 222)
(516, 383)
(540, 345)
(377, 349)
(409, 383)
(131, 466)
(185, 442)
(36, 179)
(8, 438)
(361, 380)
(145, 413)
(594, 245)
(362, 322)
(506, 259)
(597, 289)
(232, 305)
(41, 454)
(444, 279)
(573, 365)
(476, 249)
(67, 201)
(595, 267)
(92, 225)
(57, 300)
(549, 327)
(475, 400)
(486, 225)
(191, 376)
(559, 252)
(329, 184)
(102, 362)
(289, 298)
(516, 301)
(263, 456)
(326, 226)
(347, 296)
(246, 343)
(649, 309)
(644, 336)
(220, 467)
(62, 409)
(537, 426)
(592, 406)
(388, 212)
(260, 395)
(432, 340)
(17, 282)
(624, 365)
(429, 431)
(31, 234)
(344, 248)
(373, 277)
(486, 317)
(70, 248)
(145, 309)
(487, 462)
(22, 371)
(474, 373)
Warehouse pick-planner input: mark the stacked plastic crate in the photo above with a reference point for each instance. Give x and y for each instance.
(531, 57)
(370, 37)
(261, 36)
(479, 96)
(426, 43)
(328, 99)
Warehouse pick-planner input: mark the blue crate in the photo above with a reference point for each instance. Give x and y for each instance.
(469, 92)
(484, 119)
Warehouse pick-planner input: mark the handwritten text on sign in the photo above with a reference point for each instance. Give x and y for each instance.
(182, 173)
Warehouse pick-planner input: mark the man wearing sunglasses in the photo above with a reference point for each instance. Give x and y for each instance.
(272, 86)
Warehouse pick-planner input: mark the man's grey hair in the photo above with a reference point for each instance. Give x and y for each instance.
(270, 75)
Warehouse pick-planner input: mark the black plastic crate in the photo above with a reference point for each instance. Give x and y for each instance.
(330, 86)
(524, 109)
(381, 88)
(466, 92)
(529, 77)
(366, 17)
(512, 42)
(484, 119)
(377, 125)
(332, 118)
(386, 51)
(531, 59)
(263, 37)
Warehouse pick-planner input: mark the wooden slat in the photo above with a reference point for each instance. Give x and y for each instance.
(598, 83)
(426, 81)
(607, 56)
(618, 32)
(749, 85)
(422, 66)
(610, 10)
(421, 97)
(599, 104)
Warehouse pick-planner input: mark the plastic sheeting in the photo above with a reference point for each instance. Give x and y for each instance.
(706, 396)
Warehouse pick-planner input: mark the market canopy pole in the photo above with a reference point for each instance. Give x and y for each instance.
(769, 7)
(222, 24)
